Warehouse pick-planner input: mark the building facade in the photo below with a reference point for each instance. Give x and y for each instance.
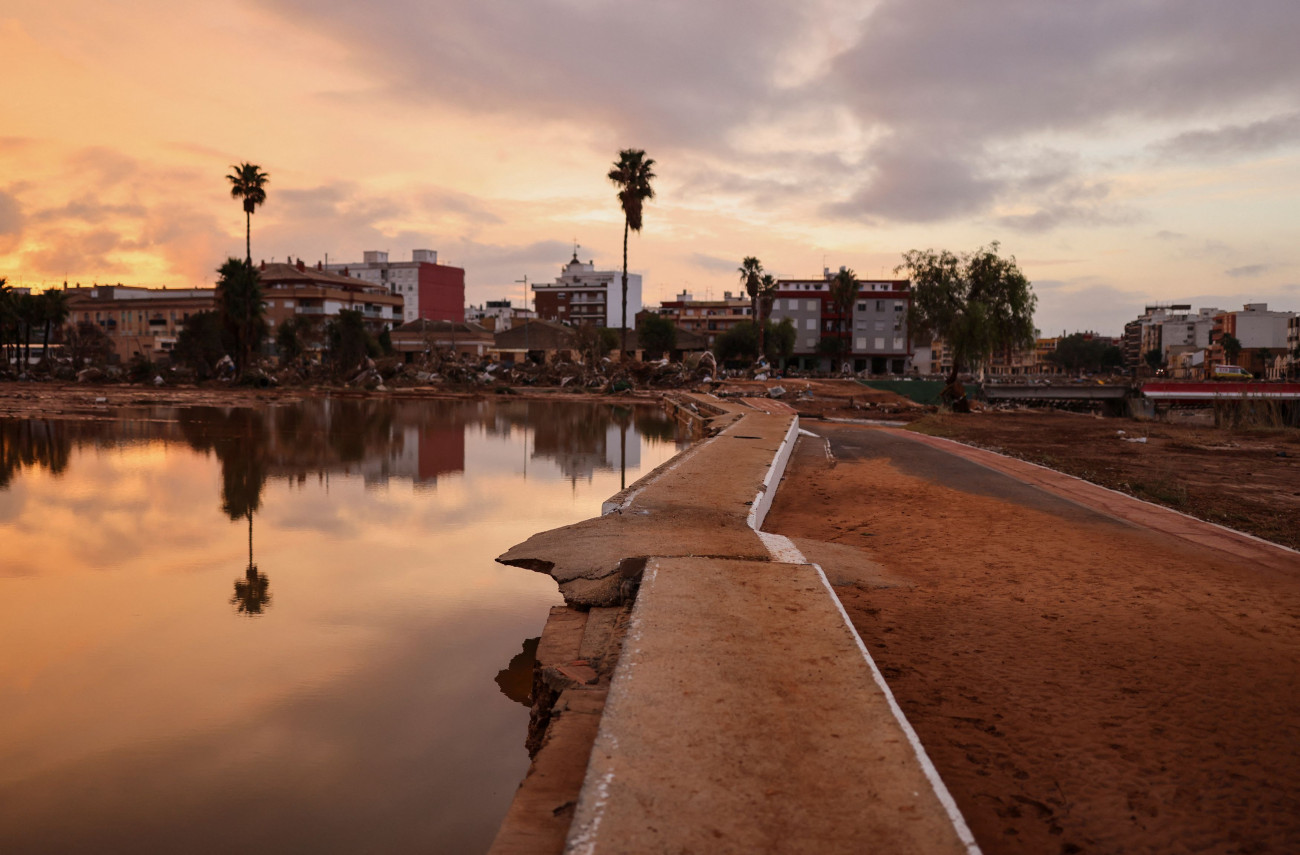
(317, 295)
(707, 318)
(873, 338)
(140, 322)
(498, 315)
(582, 295)
(428, 289)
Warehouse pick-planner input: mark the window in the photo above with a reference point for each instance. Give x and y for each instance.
(880, 305)
(880, 343)
(860, 343)
(812, 305)
(898, 305)
(862, 307)
(810, 324)
(880, 325)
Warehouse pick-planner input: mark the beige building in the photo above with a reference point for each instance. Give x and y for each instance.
(140, 322)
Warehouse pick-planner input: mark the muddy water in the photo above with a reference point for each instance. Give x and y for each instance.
(281, 629)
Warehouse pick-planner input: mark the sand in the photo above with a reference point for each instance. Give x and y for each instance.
(1082, 684)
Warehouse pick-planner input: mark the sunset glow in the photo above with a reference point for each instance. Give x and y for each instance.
(1125, 153)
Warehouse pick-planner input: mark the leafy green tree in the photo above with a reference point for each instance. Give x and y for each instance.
(1078, 352)
(199, 344)
(978, 303)
(844, 293)
(780, 339)
(289, 339)
(1231, 347)
(594, 342)
(632, 174)
(738, 343)
(385, 342)
(349, 340)
(658, 335)
(1154, 359)
(239, 304)
(8, 318)
(248, 182)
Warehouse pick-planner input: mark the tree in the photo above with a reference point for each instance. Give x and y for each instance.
(289, 339)
(1080, 352)
(87, 343)
(657, 334)
(594, 342)
(978, 303)
(632, 174)
(780, 340)
(751, 276)
(248, 182)
(54, 311)
(239, 304)
(349, 340)
(199, 344)
(844, 293)
(1154, 359)
(1231, 347)
(739, 342)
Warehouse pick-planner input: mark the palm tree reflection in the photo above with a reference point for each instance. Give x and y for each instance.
(252, 593)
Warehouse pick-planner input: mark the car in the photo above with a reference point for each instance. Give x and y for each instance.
(1231, 372)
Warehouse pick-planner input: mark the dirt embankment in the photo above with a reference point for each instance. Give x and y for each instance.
(1081, 684)
(1245, 479)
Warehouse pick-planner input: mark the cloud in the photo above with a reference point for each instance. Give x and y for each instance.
(11, 217)
(1247, 270)
(913, 181)
(714, 263)
(1245, 140)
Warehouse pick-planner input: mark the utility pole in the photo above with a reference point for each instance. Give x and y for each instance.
(525, 281)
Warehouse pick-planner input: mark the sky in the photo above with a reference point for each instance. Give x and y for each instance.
(1126, 152)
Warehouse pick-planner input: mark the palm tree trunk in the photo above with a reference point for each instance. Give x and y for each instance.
(248, 236)
(624, 345)
(758, 321)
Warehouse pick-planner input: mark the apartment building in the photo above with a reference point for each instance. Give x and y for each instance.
(141, 322)
(707, 318)
(582, 294)
(428, 289)
(299, 291)
(876, 338)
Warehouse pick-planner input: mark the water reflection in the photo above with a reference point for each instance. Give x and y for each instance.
(516, 679)
(367, 708)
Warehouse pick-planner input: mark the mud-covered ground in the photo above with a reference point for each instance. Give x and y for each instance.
(1082, 684)
(1246, 478)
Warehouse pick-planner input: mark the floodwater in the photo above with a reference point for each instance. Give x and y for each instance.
(281, 629)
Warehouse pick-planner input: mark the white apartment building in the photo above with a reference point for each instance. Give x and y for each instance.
(584, 295)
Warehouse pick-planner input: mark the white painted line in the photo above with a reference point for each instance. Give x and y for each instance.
(931, 774)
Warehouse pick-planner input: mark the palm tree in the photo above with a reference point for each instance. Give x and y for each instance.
(751, 272)
(766, 288)
(632, 174)
(844, 292)
(54, 311)
(248, 182)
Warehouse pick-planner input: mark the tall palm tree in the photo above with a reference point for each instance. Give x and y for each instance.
(248, 182)
(751, 276)
(632, 174)
(844, 292)
(766, 290)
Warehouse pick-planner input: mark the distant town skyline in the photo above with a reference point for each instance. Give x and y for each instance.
(1125, 153)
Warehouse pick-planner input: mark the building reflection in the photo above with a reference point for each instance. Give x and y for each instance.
(378, 440)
